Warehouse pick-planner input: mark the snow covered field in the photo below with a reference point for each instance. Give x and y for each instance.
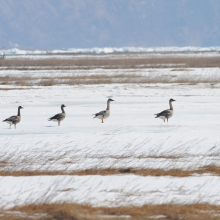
(80, 76)
(113, 191)
(130, 138)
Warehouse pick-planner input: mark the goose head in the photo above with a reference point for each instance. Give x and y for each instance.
(110, 100)
(62, 106)
(20, 107)
(172, 100)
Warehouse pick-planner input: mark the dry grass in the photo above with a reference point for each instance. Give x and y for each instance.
(182, 69)
(65, 211)
(117, 62)
(106, 79)
(142, 172)
(3, 163)
(15, 88)
(130, 64)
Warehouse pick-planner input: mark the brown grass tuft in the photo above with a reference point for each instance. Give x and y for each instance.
(106, 79)
(3, 163)
(215, 170)
(66, 211)
(182, 69)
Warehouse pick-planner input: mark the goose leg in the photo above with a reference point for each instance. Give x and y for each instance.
(10, 126)
(167, 119)
(102, 120)
(58, 123)
(15, 126)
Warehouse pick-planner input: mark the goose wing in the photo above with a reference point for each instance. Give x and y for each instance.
(56, 117)
(164, 113)
(11, 119)
(102, 113)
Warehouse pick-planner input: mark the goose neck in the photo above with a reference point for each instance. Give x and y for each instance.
(171, 106)
(62, 109)
(19, 114)
(108, 105)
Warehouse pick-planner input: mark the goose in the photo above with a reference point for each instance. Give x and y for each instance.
(166, 114)
(106, 113)
(59, 117)
(14, 119)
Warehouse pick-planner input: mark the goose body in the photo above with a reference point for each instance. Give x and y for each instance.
(103, 114)
(106, 113)
(59, 117)
(14, 119)
(166, 114)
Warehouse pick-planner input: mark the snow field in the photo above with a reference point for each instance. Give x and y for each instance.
(113, 191)
(197, 73)
(130, 138)
(165, 79)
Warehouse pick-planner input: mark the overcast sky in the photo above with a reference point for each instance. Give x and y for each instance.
(51, 24)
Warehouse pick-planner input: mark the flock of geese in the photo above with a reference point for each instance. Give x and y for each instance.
(164, 115)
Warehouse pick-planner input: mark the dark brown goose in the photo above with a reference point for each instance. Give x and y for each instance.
(59, 117)
(14, 119)
(166, 114)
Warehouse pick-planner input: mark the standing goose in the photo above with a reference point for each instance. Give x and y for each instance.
(59, 117)
(166, 114)
(14, 119)
(106, 113)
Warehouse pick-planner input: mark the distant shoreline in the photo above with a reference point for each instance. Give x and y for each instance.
(107, 50)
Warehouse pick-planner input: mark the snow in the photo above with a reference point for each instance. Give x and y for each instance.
(169, 74)
(130, 138)
(107, 50)
(121, 190)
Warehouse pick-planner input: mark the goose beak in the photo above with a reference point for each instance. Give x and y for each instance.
(22, 107)
(64, 106)
(113, 100)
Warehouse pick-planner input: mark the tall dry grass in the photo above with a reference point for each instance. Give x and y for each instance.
(50, 159)
(64, 211)
(211, 169)
(107, 79)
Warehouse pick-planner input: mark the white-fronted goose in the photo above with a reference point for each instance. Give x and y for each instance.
(59, 117)
(106, 113)
(166, 114)
(14, 119)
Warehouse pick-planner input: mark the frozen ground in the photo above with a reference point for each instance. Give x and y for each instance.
(120, 190)
(130, 138)
(168, 75)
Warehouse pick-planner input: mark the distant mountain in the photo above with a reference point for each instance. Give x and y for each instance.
(48, 24)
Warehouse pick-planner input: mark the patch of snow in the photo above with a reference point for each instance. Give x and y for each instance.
(130, 137)
(171, 74)
(123, 190)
